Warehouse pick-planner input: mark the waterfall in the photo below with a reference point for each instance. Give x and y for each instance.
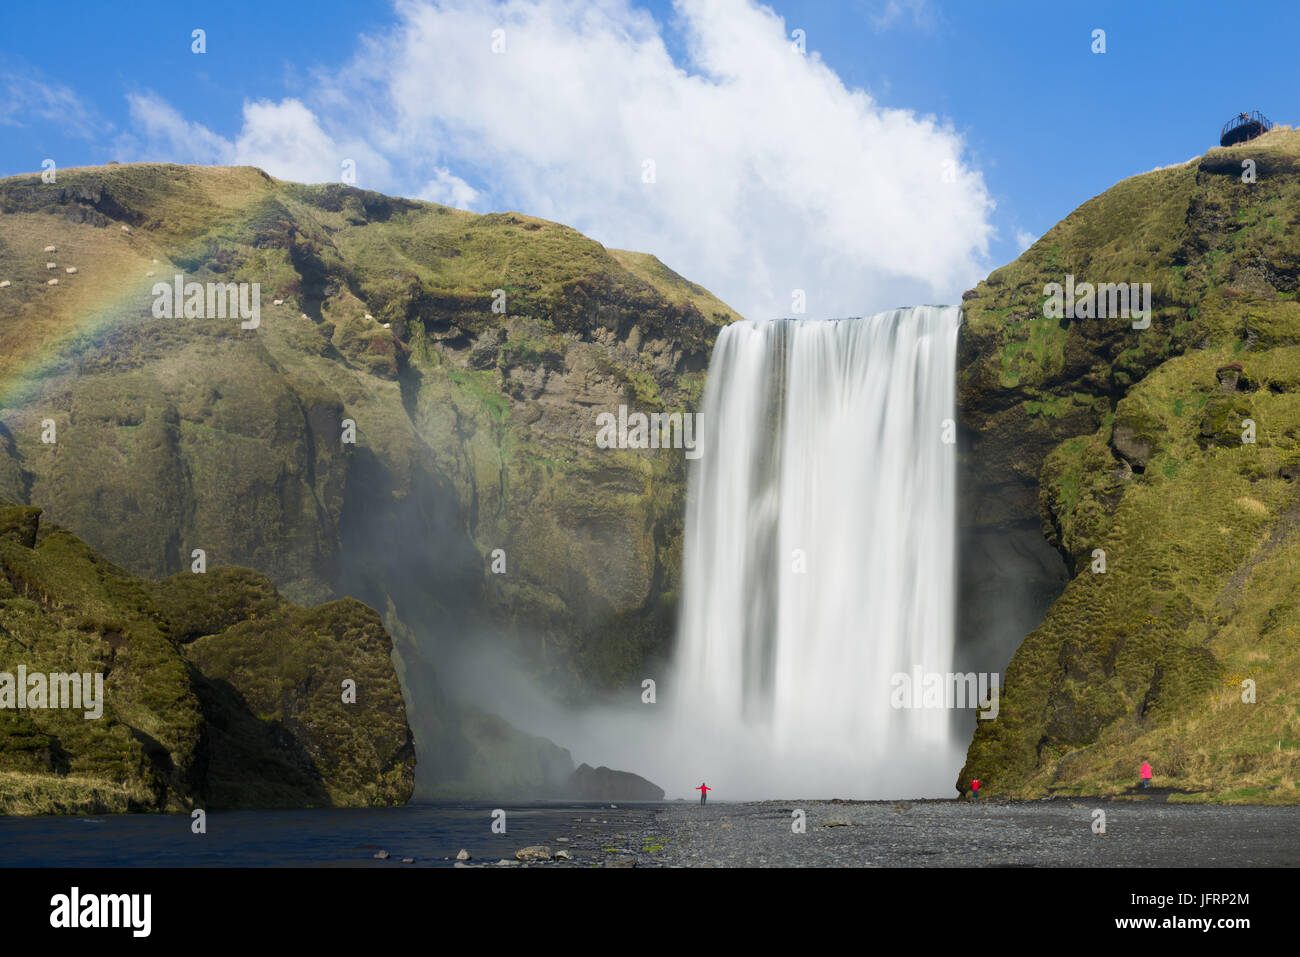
(819, 560)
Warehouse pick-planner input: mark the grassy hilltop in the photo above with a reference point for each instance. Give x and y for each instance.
(1130, 441)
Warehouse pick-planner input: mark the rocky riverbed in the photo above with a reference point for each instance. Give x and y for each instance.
(1057, 833)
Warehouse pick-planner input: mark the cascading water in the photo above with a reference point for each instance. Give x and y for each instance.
(820, 559)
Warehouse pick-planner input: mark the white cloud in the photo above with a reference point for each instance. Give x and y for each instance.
(770, 175)
(1024, 240)
(286, 139)
(448, 189)
(887, 13)
(25, 93)
(162, 132)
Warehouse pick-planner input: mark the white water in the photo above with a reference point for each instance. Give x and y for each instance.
(822, 439)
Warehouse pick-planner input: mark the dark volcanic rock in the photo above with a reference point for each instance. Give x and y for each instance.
(606, 784)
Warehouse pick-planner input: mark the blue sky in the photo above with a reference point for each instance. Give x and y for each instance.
(1040, 120)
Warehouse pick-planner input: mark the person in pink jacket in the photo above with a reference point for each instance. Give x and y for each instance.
(1146, 774)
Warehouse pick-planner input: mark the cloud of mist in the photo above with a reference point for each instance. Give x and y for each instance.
(657, 741)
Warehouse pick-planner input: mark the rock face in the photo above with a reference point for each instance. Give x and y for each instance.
(217, 692)
(468, 356)
(603, 784)
(1158, 463)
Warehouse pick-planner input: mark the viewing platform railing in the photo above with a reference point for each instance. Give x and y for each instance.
(1244, 126)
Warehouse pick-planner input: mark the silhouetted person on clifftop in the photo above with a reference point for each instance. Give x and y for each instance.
(704, 790)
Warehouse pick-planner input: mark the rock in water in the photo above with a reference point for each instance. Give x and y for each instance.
(535, 852)
(605, 784)
(463, 855)
(381, 855)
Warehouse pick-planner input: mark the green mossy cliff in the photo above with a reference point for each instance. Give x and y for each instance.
(1129, 442)
(217, 692)
(472, 353)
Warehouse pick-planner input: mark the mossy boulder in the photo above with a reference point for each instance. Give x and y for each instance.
(1225, 422)
(217, 692)
(1134, 434)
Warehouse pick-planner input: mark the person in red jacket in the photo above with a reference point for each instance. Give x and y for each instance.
(975, 789)
(1146, 774)
(704, 790)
